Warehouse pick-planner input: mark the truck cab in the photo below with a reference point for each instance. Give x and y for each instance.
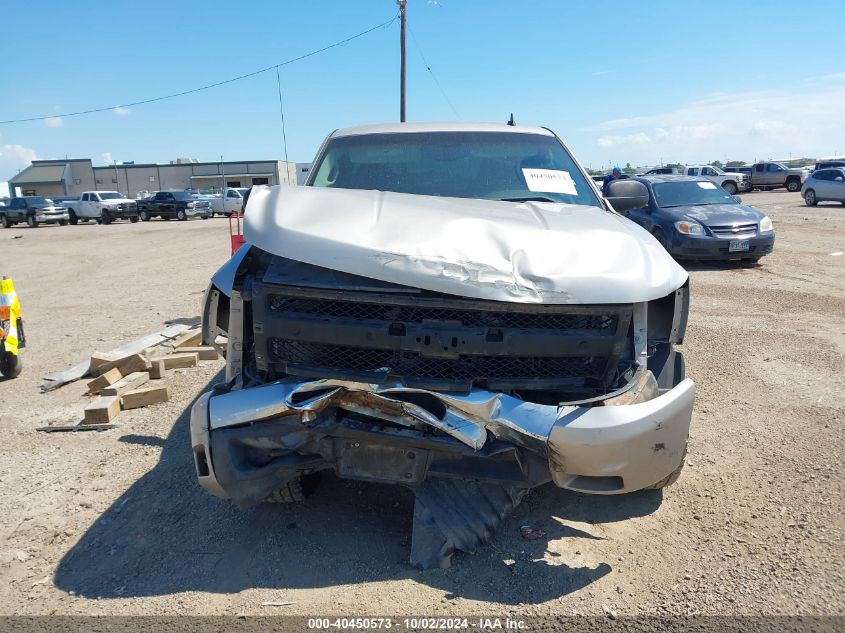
(770, 175)
(103, 207)
(33, 210)
(729, 181)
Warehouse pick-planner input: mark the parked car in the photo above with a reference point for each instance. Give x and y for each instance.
(693, 218)
(459, 331)
(102, 206)
(828, 163)
(732, 182)
(767, 175)
(824, 185)
(232, 201)
(173, 204)
(662, 170)
(33, 210)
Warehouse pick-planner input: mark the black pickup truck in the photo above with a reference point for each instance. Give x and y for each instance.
(173, 204)
(33, 210)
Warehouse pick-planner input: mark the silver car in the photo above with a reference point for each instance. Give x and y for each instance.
(824, 184)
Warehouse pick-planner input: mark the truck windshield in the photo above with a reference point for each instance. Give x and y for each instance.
(489, 165)
(110, 195)
(679, 194)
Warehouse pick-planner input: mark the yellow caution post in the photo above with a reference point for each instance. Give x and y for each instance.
(11, 329)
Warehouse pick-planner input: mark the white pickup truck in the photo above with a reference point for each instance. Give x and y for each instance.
(102, 206)
(231, 202)
(732, 182)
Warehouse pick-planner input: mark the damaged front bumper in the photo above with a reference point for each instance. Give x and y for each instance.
(250, 442)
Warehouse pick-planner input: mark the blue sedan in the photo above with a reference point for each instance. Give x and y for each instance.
(693, 218)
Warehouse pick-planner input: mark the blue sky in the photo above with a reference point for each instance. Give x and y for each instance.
(620, 82)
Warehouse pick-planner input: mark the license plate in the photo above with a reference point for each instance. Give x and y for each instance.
(738, 246)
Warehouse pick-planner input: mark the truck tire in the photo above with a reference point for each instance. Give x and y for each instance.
(181, 215)
(7, 223)
(810, 198)
(296, 490)
(793, 185)
(72, 215)
(133, 219)
(10, 364)
(31, 222)
(291, 492)
(105, 217)
(145, 217)
(62, 222)
(730, 187)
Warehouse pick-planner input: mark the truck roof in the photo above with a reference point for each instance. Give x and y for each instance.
(394, 128)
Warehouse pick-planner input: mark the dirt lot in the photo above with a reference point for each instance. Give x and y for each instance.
(114, 522)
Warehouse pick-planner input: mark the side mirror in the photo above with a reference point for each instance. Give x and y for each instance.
(738, 199)
(625, 195)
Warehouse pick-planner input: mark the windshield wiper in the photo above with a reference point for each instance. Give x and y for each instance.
(528, 199)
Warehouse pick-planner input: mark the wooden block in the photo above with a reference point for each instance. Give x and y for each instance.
(145, 397)
(157, 369)
(103, 410)
(188, 339)
(108, 378)
(179, 360)
(126, 365)
(130, 383)
(205, 353)
(98, 359)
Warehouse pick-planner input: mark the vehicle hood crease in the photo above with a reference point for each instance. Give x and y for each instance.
(522, 252)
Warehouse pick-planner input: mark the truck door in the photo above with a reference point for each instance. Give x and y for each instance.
(231, 204)
(83, 210)
(775, 175)
(18, 209)
(760, 176)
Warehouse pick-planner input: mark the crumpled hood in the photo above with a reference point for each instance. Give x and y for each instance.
(530, 252)
(718, 214)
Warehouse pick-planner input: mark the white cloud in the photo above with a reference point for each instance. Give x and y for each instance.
(121, 111)
(631, 139)
(54, 121)
(803, 121)
(107, 158)
(13, 158)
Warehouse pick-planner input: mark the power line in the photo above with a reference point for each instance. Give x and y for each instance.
(209, 86)
(282, 113)
(433, 76)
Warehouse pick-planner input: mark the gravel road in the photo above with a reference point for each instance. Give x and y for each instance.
(114, 522)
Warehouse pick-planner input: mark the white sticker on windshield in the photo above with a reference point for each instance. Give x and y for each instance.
(706, 185)
(549, 181)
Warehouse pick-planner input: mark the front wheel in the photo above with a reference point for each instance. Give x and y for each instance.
(62, 222)
(7, 223)
(133, 219)
(73, 219)
(793, 186)
(181, 215)
(730, 188)
(31, 222)
(105, 218)
(10, 364)
(810, 198)
(145, 217)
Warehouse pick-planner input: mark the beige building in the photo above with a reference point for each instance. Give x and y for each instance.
(71, 177)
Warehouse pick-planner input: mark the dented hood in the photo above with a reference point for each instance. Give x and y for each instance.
(529, 252)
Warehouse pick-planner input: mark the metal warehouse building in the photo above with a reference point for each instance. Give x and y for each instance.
(71, 177)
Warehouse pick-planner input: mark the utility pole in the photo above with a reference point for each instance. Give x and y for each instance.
(402, 5)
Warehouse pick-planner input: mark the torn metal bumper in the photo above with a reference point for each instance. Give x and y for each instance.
(249, 442)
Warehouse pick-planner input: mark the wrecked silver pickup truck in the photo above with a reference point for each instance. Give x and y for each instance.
(453, 308)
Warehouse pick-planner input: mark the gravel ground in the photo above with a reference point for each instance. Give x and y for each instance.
(114, 522)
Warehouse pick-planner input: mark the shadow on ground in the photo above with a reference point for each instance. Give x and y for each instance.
(716, 266)
(166, 535)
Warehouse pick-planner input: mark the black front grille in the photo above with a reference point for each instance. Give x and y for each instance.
(418, 314)
(438, 342)
(494, 371)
